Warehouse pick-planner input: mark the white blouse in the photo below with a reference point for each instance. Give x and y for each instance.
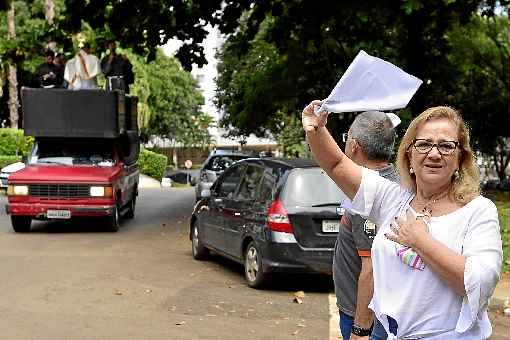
(422, 304)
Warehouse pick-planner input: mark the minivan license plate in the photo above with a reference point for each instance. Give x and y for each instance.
(330, 226)
(58, 214)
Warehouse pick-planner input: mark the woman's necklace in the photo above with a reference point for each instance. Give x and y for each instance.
(426, 211)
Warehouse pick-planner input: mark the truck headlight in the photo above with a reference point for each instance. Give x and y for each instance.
(17, 190)
(96, 191)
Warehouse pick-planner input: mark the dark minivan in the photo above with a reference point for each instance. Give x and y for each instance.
(272, 215)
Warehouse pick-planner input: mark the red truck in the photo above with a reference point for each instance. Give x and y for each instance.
(84, 159)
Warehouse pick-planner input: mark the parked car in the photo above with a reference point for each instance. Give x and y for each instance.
(213, 166)
(7, 170)
(272, 215)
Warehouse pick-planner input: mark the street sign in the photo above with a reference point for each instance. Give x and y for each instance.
(188, 164)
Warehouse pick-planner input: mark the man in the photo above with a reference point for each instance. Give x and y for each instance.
(81, 72)
(60, 66)
(47, 72)
(117, 69)
(369, 143)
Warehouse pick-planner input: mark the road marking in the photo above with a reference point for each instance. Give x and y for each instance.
(334, 318)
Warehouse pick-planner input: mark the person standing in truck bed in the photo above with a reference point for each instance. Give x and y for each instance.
(81, 72)
(117, 69)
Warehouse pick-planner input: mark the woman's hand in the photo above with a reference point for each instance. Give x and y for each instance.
(310, 120)
(408, 232)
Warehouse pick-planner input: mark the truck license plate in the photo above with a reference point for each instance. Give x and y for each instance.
(58, 214)
(330, 226)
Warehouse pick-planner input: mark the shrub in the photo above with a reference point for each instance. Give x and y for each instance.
(152, 164)
(6, 160)
(14, 143)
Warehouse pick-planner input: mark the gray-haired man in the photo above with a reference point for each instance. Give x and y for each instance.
(369, 143)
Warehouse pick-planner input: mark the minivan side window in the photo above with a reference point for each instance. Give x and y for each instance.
(229, 182)
(250, 183)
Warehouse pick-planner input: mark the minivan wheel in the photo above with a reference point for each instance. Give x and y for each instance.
(198, 250)
(21, 224)
(113, 220)
(253, 271)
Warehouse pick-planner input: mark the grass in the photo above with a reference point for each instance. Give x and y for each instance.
(502, 200)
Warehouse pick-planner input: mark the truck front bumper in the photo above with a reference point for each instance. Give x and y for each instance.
(39, 210)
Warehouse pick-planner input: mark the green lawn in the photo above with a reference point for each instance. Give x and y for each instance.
(502, 200)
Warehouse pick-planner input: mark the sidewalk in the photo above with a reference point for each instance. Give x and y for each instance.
(501, 296)
(148, 182)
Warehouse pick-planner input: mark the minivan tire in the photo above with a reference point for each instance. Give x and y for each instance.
(253, 270)
(21, 224)
(197, 248)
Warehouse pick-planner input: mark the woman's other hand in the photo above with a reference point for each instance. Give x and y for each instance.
(309, 118)
(409, 231)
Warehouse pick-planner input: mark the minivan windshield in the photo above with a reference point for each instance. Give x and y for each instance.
(73, 152)
(311, 187)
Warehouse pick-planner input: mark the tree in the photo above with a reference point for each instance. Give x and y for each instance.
(481, 53)
(275, 62)
(171, 101)
(12, 71)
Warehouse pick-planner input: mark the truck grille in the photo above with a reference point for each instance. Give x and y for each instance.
(59, 190)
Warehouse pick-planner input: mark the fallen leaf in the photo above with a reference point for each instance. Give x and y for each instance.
(172, 309)
(301, 325)
(300, 294)
(117, 292)
(180, 323)
(210, 315)
(295, 332)
(298, 300)
(269, 302)
(148, 290)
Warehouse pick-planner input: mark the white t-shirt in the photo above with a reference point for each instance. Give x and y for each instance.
(422, 304)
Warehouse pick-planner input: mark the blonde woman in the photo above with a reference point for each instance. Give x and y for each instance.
(437, 254)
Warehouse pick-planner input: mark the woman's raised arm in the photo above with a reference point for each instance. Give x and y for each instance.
(327, 153)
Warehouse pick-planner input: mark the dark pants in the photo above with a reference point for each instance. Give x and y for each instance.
(346, 321)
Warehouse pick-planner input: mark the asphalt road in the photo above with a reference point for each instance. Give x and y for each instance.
(74, 281)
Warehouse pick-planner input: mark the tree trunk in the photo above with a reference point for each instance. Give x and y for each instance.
(12, 76)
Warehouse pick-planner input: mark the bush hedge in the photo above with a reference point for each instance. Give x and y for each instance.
(6, 160)
(152, 164)
(14, 143)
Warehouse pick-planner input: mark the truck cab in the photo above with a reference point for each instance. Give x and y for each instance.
(87, 170)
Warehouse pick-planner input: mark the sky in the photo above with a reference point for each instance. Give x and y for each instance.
(206, 76)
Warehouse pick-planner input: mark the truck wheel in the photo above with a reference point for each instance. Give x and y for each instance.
(113, 220)
(197, 249)
(253, 271)
(130, 213)
(21, 224)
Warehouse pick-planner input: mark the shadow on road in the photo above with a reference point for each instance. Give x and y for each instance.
(316, 283)
(77, 225)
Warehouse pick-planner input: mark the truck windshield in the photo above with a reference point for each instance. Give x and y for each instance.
(73, 152)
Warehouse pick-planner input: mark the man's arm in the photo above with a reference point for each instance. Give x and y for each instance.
(364, 316)
(106, 65)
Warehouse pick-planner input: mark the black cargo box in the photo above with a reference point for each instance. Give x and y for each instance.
(83, 113)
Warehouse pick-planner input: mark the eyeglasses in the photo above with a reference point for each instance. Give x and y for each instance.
(445, 148)
(345, 136)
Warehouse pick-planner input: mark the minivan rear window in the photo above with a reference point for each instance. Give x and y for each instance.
(309, 187)
(220, 163)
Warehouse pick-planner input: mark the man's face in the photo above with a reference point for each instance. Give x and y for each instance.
(49, 59)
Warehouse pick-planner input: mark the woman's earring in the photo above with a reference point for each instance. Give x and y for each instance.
(456, 174)
(411, 170)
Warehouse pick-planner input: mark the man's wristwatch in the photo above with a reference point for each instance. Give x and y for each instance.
(360, 331)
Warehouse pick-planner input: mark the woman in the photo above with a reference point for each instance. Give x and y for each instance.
(437, 254)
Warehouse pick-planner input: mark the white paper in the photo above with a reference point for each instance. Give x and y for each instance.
(370, 83)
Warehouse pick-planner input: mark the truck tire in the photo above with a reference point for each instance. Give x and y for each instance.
(21, 224)
(113, 220)
(130, 213)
